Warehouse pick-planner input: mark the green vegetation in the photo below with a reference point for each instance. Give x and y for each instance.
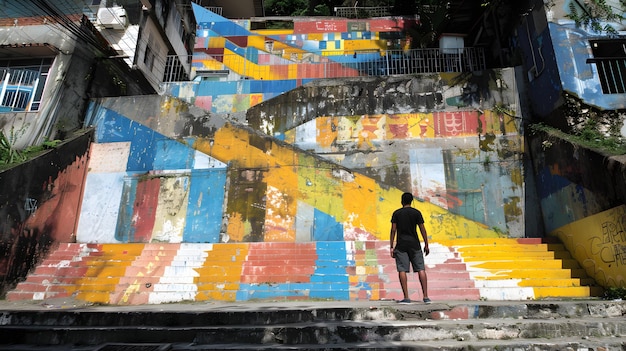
(588, 137)
(10, 155)
(593, 13)
(615, 293)
(591, 127)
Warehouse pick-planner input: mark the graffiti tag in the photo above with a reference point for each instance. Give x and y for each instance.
(611, 247)
(30, 205)
(326, 26)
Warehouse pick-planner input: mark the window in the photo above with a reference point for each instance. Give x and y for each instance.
(22, 83)
(609, 55)
(148, 57)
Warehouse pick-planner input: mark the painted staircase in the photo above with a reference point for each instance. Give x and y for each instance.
(463, 269)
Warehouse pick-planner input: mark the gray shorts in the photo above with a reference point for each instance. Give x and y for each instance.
(405, 259)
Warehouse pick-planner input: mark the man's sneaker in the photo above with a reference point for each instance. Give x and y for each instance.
(426, 300)
(405, 301)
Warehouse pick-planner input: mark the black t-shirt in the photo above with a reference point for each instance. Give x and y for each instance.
(406, 220)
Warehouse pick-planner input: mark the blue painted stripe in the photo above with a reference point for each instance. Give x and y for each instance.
(124, 231)
(170, 154)
(204, 211)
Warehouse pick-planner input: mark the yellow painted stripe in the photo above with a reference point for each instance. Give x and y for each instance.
(560, 292)
(221, 273)
(555, 282)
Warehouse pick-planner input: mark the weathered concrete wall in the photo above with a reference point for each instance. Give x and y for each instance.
(574, 182)
(78, 73)
(39, 206)
(452, 140)
(582, 193)
(274, 192)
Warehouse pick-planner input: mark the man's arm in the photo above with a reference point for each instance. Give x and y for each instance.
(424, 237)
(392, 237)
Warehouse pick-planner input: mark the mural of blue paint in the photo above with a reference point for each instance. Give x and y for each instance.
(112, 127)
(331, 271)
(210, 20)
(170, 154)
(264, 291)
(326, 228)
(124, 231)
(478, 186)
(204, 211)
(572, 49)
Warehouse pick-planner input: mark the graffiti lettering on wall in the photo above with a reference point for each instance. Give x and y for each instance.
(598, 242)
(326, 26)
(611, 247)
(30, 205)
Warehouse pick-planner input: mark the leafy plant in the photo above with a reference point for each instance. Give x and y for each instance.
(591, 14)
(587, 137)
(615, 293)
(8, 154)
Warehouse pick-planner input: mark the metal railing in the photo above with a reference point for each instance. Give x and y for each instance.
(175, 68)
(331, 64)
(612, 74)
(362, 12)
(214, 9)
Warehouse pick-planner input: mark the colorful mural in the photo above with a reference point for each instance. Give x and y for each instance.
(599, 243)
(237, 68)
(152, 273)
(260, 189)
(145, 187)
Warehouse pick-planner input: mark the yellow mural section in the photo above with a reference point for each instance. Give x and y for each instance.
(220, 276)
(356, 201)
(362, 129)
(539, 270)
(360, 200)
(598, 242)
(102, 277)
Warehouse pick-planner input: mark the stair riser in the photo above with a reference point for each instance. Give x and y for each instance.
(315, 333)
(118, 273)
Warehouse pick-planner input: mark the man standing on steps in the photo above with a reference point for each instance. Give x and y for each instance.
(408, 251)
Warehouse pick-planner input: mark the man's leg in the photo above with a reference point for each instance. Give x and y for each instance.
(424, 282)
(403, 284)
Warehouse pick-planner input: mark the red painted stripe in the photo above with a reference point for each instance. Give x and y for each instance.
(144, 208)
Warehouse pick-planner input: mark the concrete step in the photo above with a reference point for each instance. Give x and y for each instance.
(470, 269)
(540, 325)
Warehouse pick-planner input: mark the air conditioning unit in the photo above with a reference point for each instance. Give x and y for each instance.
(451, 44)
(112, 17)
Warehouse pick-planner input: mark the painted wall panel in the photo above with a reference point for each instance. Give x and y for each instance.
(172, 208)
(109, 157)
(144, 209)
(304, 222)
(171, 154)
(326, 228)
(428, 175)
(124, 231)
(206, 198)
(599, 243)
(100, 208)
